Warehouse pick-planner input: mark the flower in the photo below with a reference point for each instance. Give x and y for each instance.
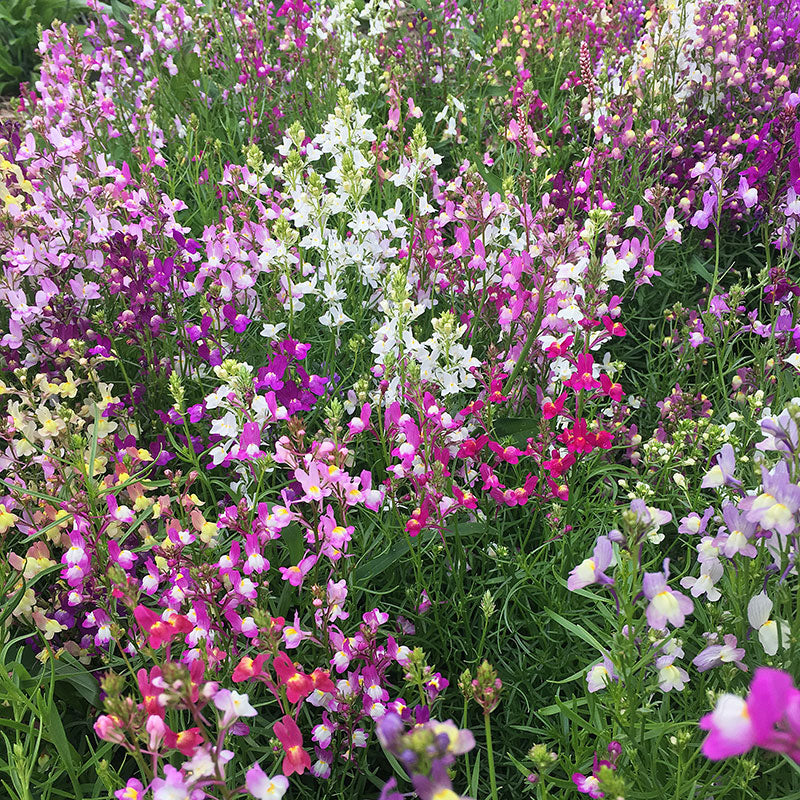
(716, 654)
(769, 718)
(233, 705)
(779, 501)
(730, 728)
(591, 570)
(264, 788)
(161, 631)
(133, 791)
(665, 604)
(583, 377)
(601, 675)
(298, 684)
(758, 612)
(721, 474)
(172, 787)
(295, 759)
(672, 677)
(249, 668)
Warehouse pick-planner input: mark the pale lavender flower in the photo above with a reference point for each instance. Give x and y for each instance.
(781, 434)
(779, 501)
(721, 474)
(665, 604)
(710, 573)
(695, 524)
(601, 675)
(737, 535)
(716, 654)
(672, 677)
(591, 570)
(651, 519)
(707, 550)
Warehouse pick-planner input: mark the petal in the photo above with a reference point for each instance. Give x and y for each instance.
(758, 610)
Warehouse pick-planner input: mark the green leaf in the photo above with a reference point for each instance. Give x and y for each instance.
(518, 427)
(292, 537)
(66, 752)
(375, 566)
(699, 268)
(71, 671)
(581, 633)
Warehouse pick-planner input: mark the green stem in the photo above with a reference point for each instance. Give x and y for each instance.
(490, 754)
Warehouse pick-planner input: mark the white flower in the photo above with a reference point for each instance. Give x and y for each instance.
(271, 331)
(758, 612)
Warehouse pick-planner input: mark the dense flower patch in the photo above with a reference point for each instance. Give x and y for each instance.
(403, 400)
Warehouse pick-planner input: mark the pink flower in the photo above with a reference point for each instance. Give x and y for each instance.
(264, 788)
(583, 377)
(173, 787)
(769, 718)
(133, 791)
(311, 482)
(158, 630)
(295, 759)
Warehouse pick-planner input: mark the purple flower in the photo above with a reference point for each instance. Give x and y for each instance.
(779, 501)
(721, 474)
(716, 654)
(736, 539)
(665, 604)
(695, 524)
(591, 570)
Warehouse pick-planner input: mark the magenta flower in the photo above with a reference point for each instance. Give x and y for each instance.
(665, 604)
(583, 377)
(590, 784)
(769, 718)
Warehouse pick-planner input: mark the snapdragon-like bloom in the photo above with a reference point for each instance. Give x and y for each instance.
(666, 605)
(775, 508)
(769, 718)
(592, 570)
(133, 790)
(716, 654)
(739, 531)
(172, 787)
(295, 759)
(601, 675)
(769, 631)
(159, 630)
(298, 684)
(233, 705)
(263, 787)
(721, 474)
